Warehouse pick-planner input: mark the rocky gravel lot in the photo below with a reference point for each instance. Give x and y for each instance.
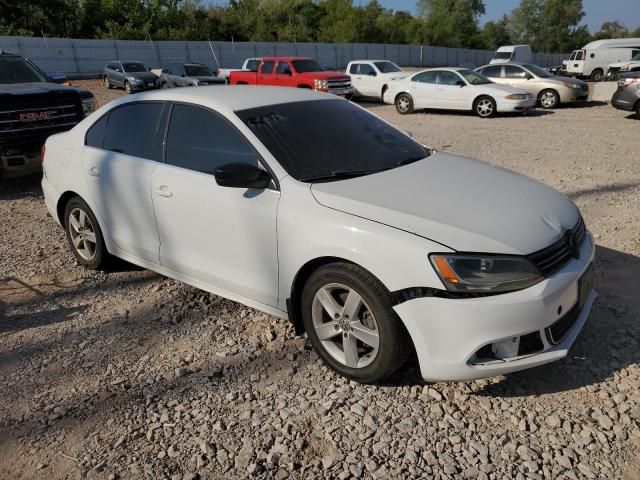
(125, 374)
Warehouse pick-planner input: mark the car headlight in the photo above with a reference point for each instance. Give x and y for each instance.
(571, 85)
(484, 273)
(134, 80)
(517, 96)
(89, 105)
(321, 85)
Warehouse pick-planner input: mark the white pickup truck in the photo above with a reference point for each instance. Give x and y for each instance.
(370, 78)
(249, 65)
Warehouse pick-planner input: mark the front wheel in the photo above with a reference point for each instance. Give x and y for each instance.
(350, 322)
(404, 104)
(107, 83)
(549, 99)
(84, 234)
(164, 85)
(485, 107)
(127, 87)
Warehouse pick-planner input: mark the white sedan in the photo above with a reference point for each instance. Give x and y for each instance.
(369, 242)
(456, 89)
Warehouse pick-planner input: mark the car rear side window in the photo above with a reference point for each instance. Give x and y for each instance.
(95, 134)
(426, 77)
(267, 66)
(201, 140)
(511, 71)
(492, 72)
(134, 130)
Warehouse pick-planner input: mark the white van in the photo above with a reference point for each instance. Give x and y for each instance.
(594, 58)
(513, 53)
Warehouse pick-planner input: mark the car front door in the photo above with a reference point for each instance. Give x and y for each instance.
(121, 151)
(517, 76)
(424, 89)
(453, 91)
(365, 80)
(494, 72)
(118, 74)
(284, 74)
(266, 75)
(224, 238)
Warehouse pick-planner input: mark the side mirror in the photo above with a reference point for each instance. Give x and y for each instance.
(288, 72)
(461, 84)
(241, 175)
(372, 73)
(528, 76)
(58, 77)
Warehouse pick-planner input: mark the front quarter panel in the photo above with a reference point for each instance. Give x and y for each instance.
(309, 231)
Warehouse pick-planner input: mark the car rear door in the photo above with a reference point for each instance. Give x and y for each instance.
(424, 89)
(121, 151)
(222, 237)
(494, 72)
(266, 75)
(284, 74)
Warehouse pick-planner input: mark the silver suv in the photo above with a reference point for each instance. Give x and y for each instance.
(132, 76)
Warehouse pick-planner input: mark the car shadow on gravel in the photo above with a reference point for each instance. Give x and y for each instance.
(587, 104)
(608, 344)
(21, 187)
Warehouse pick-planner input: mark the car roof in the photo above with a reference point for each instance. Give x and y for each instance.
(447, 69)
(371, 61)
(229, 97)
(284, 58)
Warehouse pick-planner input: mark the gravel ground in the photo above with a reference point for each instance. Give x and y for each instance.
(127, 374)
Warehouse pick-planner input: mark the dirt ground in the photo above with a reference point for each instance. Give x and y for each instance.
(125, 374)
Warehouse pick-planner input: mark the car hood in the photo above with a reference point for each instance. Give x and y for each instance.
(395, 75)
(34, 88)
(326, 75)
(464, 204)
(503, 88)
(146, 76)
(582, 83)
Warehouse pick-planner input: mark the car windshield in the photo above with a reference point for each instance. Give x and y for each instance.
(18, 70)
(337, 140)
(474, 78)
(133, 67)
(302, 66)
(197, 71)
(537, 71)
(503, 55)
(387, 67)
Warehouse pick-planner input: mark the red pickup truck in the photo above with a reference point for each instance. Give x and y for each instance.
(295, 72)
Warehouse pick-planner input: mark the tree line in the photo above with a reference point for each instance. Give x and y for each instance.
(549, 26)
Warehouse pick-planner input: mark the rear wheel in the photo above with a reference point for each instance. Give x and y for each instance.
(485, 107)
(549, 99)
(596, 75)
(404, 104)
(348, 317)
(84, 234)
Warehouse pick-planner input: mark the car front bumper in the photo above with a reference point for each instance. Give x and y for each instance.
(452, 336)
(505, 105)
(20, 161)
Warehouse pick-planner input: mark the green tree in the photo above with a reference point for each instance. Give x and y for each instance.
(496, 33)
(452, 23)
(613, 29)
(559, 25)
(524, 22)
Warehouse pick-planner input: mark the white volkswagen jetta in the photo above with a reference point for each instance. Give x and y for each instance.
(456, 89)
(308, 207)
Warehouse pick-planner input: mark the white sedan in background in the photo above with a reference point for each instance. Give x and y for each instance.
(369, 242)
(370, 78)
(456, 89)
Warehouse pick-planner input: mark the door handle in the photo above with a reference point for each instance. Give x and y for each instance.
(94, 172)
(164, 191)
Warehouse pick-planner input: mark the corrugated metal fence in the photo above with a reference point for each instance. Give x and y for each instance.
(81, 57)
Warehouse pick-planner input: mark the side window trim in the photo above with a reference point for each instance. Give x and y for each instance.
(260, 159)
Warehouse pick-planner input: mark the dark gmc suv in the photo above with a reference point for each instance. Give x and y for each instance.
(32, 107)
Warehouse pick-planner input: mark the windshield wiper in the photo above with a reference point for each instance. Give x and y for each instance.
(342, 174)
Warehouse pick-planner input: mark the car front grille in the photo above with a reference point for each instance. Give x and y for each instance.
(33, 120)
(554, 257)
(338, 85)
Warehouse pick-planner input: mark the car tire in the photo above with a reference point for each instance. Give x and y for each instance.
(596, 75)
(485, 107)
(164, 85)
(369, 315)
(127, 87)
(404, 104)
(549, 99)
(84, 234)
(107, 83)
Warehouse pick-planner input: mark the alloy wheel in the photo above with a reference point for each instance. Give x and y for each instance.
(345, 325)
(403, 104)
(484, 107)
(548, 99)
(83, 235)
